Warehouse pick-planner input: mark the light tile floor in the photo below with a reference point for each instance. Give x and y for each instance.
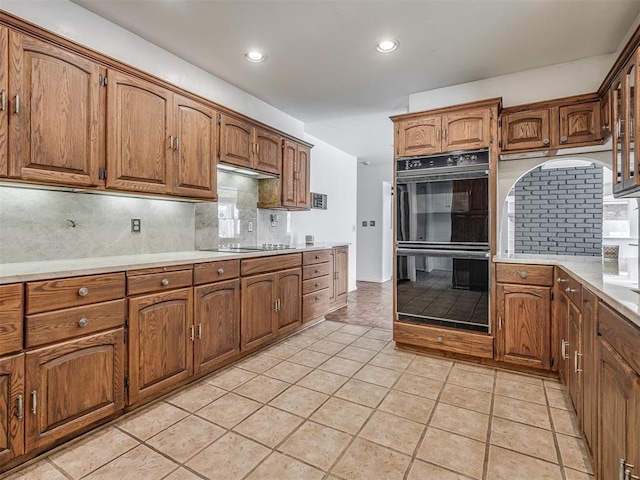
(338, 401)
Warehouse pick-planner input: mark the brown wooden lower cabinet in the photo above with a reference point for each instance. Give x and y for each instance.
(217, 322)
(589, 368)
(561, 335)
(271, 304)
(524, 325)
(574, 368)
(12, 407)
(161, 333)
(72, 385)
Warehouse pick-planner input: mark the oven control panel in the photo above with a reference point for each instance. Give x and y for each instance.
(443, 161)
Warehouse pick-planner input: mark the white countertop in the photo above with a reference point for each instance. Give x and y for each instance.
(30, 271)
(615, 290)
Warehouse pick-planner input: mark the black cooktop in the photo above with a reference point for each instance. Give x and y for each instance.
(249, 249)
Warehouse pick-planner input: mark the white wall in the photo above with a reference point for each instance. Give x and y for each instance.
(75, 23)
(374, 247)
(333, 172)
(562, 80)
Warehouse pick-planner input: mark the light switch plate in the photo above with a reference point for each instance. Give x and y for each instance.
(364, 223)
(372, 223)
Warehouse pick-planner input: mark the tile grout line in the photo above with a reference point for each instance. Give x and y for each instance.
(485, 469)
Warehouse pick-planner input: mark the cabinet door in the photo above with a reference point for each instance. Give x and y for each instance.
(161, 336)
(342, 275)
(268, 152)
(236, 142)
(606, 115)
(217, 321)
(580, 123)
(139, 123)
(11, 315)
(54, 98)
(257, 318)
(629, 125)
(334, 273)
(289, 173)
(4, 101)
(289, 300)
(72, 385)
(617, 110)
(466, 130)
(524, 329)
(619, 413)
(574, 371)
(12, 407)
(589, 368)
(303, 178)
(561, 335)
(420, 136)
(195, 149)
(526, 130)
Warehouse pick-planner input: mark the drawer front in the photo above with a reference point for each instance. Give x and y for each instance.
(316, 284)
(311, 258)
(474, 344)
(570, 287)
(215, 271)
(69, 323)
(253, 266)
(315, 305)
(154, 282)
(313, 271)
(524, 274)
(51, 295)
(621, 334)
(10, 318)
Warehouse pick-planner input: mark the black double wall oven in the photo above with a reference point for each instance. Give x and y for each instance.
(443, 240)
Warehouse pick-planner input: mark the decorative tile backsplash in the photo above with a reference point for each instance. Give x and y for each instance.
(50, 225)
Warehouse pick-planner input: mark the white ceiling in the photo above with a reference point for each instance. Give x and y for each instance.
(322, 63)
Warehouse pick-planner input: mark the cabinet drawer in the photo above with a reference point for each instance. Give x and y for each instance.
(570, 287)
(524, 274)
(467, 343)
(73, 292)
(10, 318)
(69, 323)
(315, 305)
(153, 282)
(253, 266)
(313, 271)
(215, 271)
(315, 284)
(621, 334)
(311, 258)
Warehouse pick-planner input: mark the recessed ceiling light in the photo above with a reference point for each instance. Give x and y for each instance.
(387, 46)
(255, 56)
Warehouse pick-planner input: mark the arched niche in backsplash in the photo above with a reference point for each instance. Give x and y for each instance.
(510, 172)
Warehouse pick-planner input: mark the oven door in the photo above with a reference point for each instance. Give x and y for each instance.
(447, 288)
(445, 208)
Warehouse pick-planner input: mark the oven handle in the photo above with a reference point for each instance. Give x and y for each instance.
(418, 177)
(443, 253)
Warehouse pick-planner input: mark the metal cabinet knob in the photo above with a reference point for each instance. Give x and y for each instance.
(524, 274)
(545, 141)
(83, 292)
(562, 280)
(440, 340)
(220, 271)
(569, 290)
(165, 282)
(563, 139)
(83, 322)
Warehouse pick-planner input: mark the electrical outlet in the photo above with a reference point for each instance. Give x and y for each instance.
(136, 225)
(364, 223)
(251, 226)
(372, 223)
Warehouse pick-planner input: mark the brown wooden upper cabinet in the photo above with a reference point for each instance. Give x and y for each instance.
(292, 190)
(53, 104)
(158, 141)
(4, 88)
(452, 131)
(245, 145)
(573, 121)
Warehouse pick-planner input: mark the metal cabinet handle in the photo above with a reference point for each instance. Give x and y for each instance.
(275, 306)
(562, 280)
(279, 306)
(199, 331)
(192, 335)
(176, 144)
(440, 340)
(444, 133)
(17, 110)
(3, 100)
(170, 142)
(220, 271)
(575, 361)
(524, 274)
(164, 282)
(605, 128)
(20, 412)
(83, 322)
(563, 139)
(257, 148)
(500, 323)
(545, 141)
(565, 344)
(570, 290)
(438, 134)
(619, 128)
(628, 476)
(34, 402)
(83, 291)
